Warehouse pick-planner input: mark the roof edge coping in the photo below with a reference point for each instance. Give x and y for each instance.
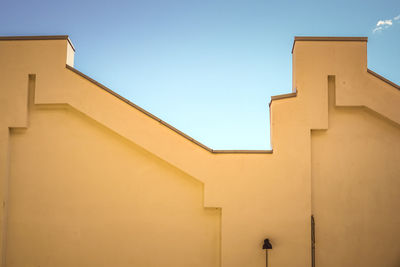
(283, 96)
(329, 39)
(383, 79)
(37, 38)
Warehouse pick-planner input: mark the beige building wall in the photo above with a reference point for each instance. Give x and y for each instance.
(92, 198)
(90, 179)
(356, 188)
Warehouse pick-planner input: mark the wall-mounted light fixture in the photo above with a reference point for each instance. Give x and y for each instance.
(267, 245)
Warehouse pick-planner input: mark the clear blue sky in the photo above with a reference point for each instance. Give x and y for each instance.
(207, 67)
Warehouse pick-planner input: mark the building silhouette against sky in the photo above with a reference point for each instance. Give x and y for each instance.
(90, 179)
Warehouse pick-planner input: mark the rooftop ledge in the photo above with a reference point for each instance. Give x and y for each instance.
(38, 37)
(332, 39)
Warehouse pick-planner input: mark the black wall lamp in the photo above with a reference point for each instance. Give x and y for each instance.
(267, 245)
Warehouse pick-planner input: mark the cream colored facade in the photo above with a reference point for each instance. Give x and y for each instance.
(90, 179)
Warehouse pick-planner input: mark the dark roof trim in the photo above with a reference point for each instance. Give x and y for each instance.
(277, 97)
(383, 79)
(165, 123)
(44, 37)
(321, 38)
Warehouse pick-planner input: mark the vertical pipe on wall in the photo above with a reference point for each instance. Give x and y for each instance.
(312, 241)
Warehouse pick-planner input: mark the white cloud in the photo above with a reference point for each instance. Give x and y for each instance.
(384, 22)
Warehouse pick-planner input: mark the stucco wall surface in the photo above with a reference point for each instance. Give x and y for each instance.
(90, 179)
